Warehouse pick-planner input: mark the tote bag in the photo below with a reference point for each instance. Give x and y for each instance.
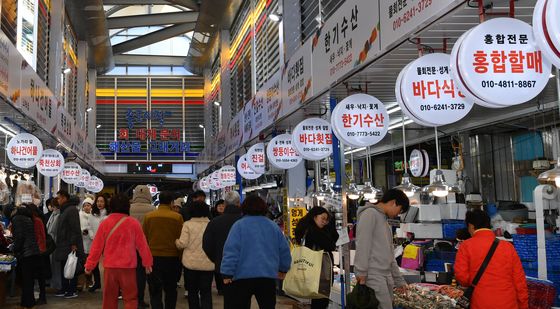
(310, 276)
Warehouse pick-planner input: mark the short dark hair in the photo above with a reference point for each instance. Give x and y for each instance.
(399, 197)
(219, 202)
(166, 197)
(253, 205)
(478, 218)
(120, 203)
(63, 193)
(199, 210)
(48, 201)
(198, 194)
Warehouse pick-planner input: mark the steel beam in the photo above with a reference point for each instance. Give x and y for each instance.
(154, 37)
(151, 20)
(191, 4)
(149, 60)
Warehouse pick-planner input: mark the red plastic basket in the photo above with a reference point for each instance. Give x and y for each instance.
(541, 294)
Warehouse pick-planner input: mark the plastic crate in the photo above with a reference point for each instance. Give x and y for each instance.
(526, 247)
(450, 228)
(435, 265)
(542, 294)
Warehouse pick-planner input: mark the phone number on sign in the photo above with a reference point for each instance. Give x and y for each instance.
(376, 133)
(408, 15)
(442, 107)
(508, 84)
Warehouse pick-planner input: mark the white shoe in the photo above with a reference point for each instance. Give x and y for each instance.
(186, 294)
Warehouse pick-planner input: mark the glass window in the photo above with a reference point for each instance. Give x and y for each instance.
(118, 70)
(160, 70)
(137, 70)
(177, 70)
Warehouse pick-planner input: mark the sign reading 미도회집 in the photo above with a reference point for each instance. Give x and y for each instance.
(429, 92)
(244, 170)
(227, 176)
(499, 62)
(296, 213)
(312, 138)
(256, 158)
(281, 154)
(71, 173)
(51, 163)
(24, 150)
(297, 79)
(360, 120)
(348, 39)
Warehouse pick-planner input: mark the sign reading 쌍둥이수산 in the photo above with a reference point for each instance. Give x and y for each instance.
(312, 138)
(348, 39)
(296, 213)
(227, 176)
(24, 150)
(281, 154)
(297, 85)
(256, 158)
(51, 163)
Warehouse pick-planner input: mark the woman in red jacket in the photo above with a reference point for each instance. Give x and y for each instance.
(118, 238)
(503, 285)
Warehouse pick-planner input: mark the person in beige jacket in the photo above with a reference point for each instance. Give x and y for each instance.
(140, 206)
(199, 268)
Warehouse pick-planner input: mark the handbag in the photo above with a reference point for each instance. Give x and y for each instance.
(465, 300)
(362, 297)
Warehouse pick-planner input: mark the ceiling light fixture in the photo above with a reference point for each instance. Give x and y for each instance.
(201, 126)
(98, 126)
(216, 103)
(89, 109)
(406, 185)
(438, 188)
(275, 17)
(551, 176)
(8, 132)
(67, 70)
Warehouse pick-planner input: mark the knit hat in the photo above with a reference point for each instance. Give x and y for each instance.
(142, 195)
(87, 200)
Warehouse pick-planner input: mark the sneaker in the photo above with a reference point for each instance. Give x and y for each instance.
(60, 293)
(186, 294)
(70, 295)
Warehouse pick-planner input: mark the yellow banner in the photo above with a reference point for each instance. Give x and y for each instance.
(296, 213)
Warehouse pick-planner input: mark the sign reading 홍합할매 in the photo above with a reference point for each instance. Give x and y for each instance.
(157, 139)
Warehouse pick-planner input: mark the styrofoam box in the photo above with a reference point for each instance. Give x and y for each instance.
(423, 230)
(429, 213)
(453, 211)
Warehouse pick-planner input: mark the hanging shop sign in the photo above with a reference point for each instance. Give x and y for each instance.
(360, 120)
(348, 39)
(204, 185)
(267, 105)
(498, 62)
(215, 183)
(27, 22)
(234, 133)
(312, 138)
(95, 185)
(24, 150)
(296, 214)
(547, 30)
(153, 190)
(248, 122)
(244, 170)
(51, 163)
(71, 173)
(419, 163)
(227, 176)
(398, 95)
(157, 139)
(256, 158)
(5, 46)
(400, 18)
(281, 154)
(429, 92)
(85, 177)
(297, 77)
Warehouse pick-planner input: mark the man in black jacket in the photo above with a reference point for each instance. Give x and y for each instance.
(217, 232)
(68, 239)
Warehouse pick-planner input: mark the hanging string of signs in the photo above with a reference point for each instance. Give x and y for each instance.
(360, 120)
(256, 158)
(281, 153)
(244, 170)
(312, 138)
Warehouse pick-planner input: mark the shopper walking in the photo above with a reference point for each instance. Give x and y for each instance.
(217, 232)
(197, 196)
(27, 253)
(256, 253)
(316, 231)
(118, 238)
(99, 212)
(503, 283)
(162, 227)
(374, 263)
(52, 227)
(85, 214)
(42, 270)
(141, 205)
(69, 239)
(199, 268)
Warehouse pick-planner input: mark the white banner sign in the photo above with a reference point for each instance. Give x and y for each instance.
(312, 138)
(256, 158)
(281, 154)
(248, 122)
(267, 104)
(51, 163)
(235, 133)
(24, 150)
(64, 129)
(5, 46)
(348, 39)
(71, 173)
(244, 170)
(227, 176)
(360, 120)
(297, 77)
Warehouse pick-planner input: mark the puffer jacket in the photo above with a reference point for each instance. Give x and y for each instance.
(194, 257)
(141, 203)
(25, 244)
(68, 232)
(84, 226)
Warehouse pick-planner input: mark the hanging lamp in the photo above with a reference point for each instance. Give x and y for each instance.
(438, 188)
(406, 185)
(353, 192)
(551, 176)
(369, 191)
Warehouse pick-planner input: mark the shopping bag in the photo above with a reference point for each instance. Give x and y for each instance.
(362, 297)
(70, 266)
(310, 276)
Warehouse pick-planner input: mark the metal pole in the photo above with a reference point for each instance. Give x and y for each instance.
(404, 144)
(317, 176)
(437, 149)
